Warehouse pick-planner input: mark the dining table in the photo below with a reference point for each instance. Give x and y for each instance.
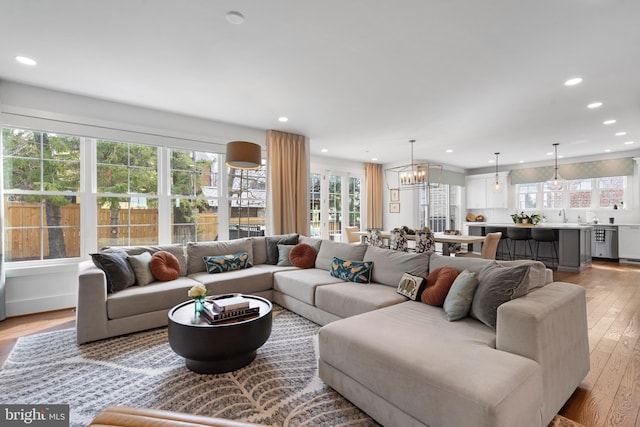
(439, 237)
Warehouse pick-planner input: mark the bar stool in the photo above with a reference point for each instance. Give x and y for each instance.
(503, 244)
(545, 235)
(517, 234)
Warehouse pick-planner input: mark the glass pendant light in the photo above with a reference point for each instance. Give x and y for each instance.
(557, 183)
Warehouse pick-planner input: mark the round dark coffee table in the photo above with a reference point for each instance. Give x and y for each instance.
(221, 347)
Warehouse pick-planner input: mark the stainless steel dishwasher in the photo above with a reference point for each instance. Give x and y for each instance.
(604, 242)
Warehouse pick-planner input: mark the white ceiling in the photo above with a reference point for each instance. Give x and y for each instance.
(359, 78)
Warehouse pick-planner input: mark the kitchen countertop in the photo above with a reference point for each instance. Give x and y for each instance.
(570, 225)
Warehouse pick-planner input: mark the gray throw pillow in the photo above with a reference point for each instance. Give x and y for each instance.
(458, 301)
(274, 241)
(283, 254)
(497, 285)
(140, 265)
(119, 273)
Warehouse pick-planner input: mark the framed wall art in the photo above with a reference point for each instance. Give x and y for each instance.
(394, 194)
(394, 207)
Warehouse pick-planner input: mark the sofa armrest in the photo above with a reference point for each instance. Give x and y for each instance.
(549, 325)
(91, 308)
(136, 417)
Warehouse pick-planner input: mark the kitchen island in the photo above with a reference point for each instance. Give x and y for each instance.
(574, 243)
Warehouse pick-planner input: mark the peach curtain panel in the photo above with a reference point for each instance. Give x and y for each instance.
(287, 178)
(373, 178)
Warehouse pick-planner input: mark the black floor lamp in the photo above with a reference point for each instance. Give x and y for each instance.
(243, 155)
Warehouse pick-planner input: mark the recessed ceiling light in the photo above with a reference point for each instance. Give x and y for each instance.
(235, 18)
(561, 156)
(449, 150)
(594, 105)
(621, 133)
(628, 143)
(609, 122)
(324, 150)
(492, 161)
(574, 81)
(26, 61)
(550, 153)
(608, 150)
(521, 161)
(374, 159)
(283, 119)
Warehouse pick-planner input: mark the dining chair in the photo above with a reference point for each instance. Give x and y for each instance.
(425, 242)
(489, 247)
(399, 241)
(374, 238)
(352, 237)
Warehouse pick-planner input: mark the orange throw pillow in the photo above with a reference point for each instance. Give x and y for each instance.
(303, 255)
(164, 266)
(439, 282)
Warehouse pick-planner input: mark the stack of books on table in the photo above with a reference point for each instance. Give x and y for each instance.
(228, 308)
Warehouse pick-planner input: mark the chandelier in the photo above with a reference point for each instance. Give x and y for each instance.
(413, 174)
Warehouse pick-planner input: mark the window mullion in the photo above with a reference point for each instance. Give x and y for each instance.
(164, 196)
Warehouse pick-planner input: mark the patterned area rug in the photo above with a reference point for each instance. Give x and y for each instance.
(280, 388)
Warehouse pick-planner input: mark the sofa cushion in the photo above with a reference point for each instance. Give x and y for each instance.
(352, 271)
(259, 248)
(197, 250)
(389, 266)
(537, 276)
(303, 256)
(176, 250)
(330, 249)
(141, 268)
(273, 242)
(138, 300)
(283, 255)
(244, 281)
(459, 263)
(302, 284)
(458, 301)
(116, 268)
(438, 284)
(346, 299)
(496, 285)
(410, 286)
(164, 266)
(222, 263)
(311, 241)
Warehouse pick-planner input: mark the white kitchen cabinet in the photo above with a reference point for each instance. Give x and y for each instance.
(481, 193)
(629, 242)
(476, 190)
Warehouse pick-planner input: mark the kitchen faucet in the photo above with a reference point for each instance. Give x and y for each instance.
(563, 215)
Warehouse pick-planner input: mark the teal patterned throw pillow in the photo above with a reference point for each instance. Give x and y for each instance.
(221, 263)
(353, 271)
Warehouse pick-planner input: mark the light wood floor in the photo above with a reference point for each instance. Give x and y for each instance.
(608, 396)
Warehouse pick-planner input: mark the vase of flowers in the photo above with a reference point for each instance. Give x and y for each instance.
(198, 293)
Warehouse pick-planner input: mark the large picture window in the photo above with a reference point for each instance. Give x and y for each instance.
(127, 187)
(247, 202)
(588, 193)
(133, 194)
(41, 187)
(195, 196)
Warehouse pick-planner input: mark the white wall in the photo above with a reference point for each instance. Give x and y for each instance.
(53, 286)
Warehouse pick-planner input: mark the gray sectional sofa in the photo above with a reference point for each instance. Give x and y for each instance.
(400, 361)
